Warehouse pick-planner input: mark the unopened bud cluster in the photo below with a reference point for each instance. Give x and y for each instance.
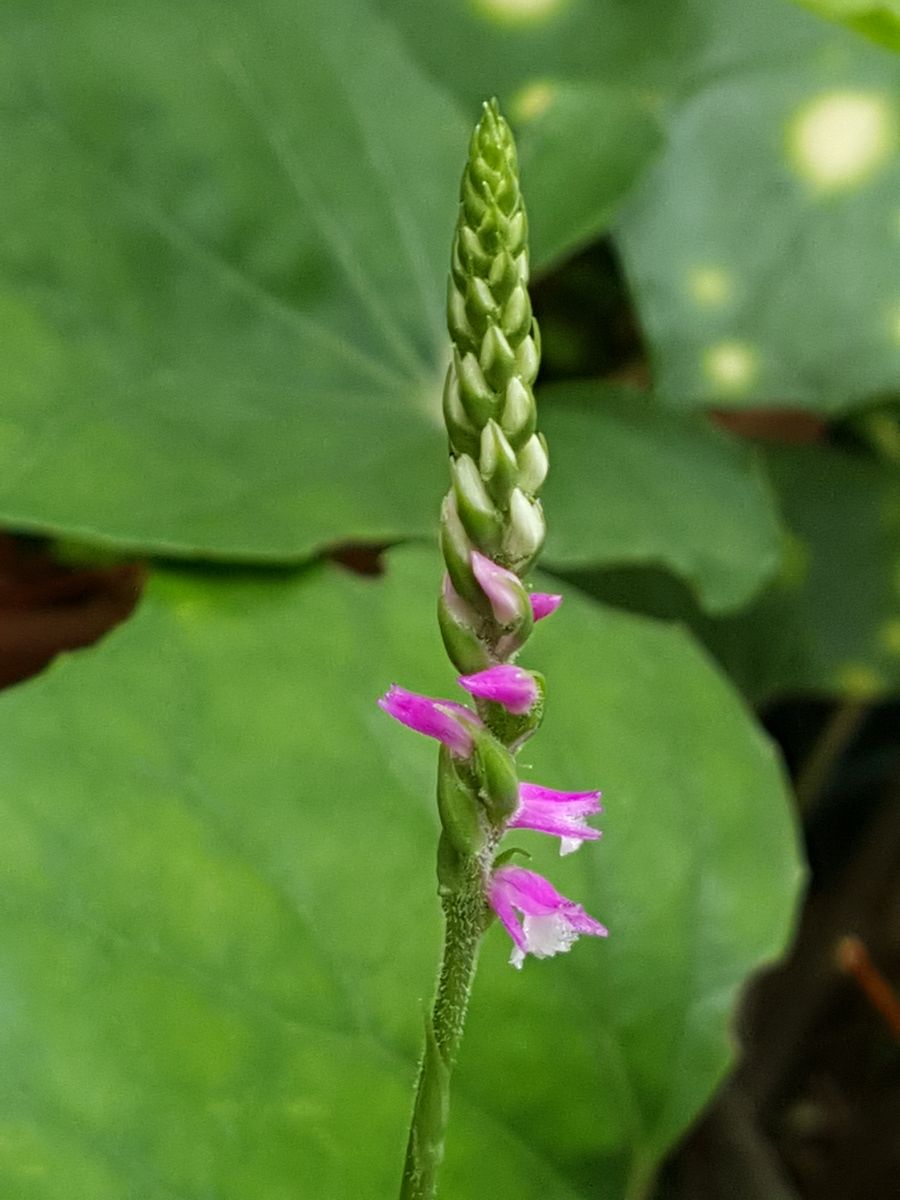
(499, 460)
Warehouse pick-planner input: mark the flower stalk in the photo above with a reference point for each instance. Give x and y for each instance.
(492, 530)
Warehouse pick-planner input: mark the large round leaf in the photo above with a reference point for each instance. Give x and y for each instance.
(223, 248)
(220, 925)
(757, 246)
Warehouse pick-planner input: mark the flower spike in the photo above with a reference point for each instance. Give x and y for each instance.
(491, 532)
(550, 923)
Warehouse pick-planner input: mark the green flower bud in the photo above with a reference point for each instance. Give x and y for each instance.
(517, 419)
(497, 776)
(458, 321)
(451, 867)
(459, 807)
(497, 359)
(532, 464)
(459, 624)
(457, 551)
(462, 433)
(524, 534)
(500, 468)
(481, 307)
(514, 729)
(528, 359)
(517, 314)
(477, 512)
(477, 398)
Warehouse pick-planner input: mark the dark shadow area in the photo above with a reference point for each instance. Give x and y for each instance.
(47, 606)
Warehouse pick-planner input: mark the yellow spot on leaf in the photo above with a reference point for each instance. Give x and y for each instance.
(519, 12)
(533, 99)
(858, 681)
(840, 138)
(709, 286)
(731, 365)
(890, 635)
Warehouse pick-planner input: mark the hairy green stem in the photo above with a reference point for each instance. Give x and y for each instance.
(464, 913)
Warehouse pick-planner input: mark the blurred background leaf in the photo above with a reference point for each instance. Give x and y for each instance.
(642, 484)
(829, 624)
(876, 19)
(582, 148)
(220, 903)
(222, 276)
(756, 247)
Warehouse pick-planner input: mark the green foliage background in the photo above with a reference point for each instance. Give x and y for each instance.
(224, 233)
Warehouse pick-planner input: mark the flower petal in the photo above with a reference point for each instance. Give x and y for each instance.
(503, 588)
(582, 802)
(451, 723)
(505, 684)
(551, 923)
(544, 603)
(560, 814)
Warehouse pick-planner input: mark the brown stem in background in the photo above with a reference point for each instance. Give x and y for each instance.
(853, 959)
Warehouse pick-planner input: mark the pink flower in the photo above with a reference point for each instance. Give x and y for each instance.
(544, 603)
(453, 724)
(550, 922)
(503, 588)
(510, 686)
(561, 814)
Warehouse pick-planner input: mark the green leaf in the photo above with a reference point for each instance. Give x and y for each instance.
(581, 149)
(829, 624)
(223, 252)
(756, 245)
(220, 921)
(638, 483)
(875, 19)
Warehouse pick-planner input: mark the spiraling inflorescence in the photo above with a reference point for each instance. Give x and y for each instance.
(492, 530)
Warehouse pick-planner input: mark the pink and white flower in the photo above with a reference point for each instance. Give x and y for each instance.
(505, 684)
(452, 724)
(550, 922)
(561, 814)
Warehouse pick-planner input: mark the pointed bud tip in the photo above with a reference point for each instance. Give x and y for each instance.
(543, 604)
